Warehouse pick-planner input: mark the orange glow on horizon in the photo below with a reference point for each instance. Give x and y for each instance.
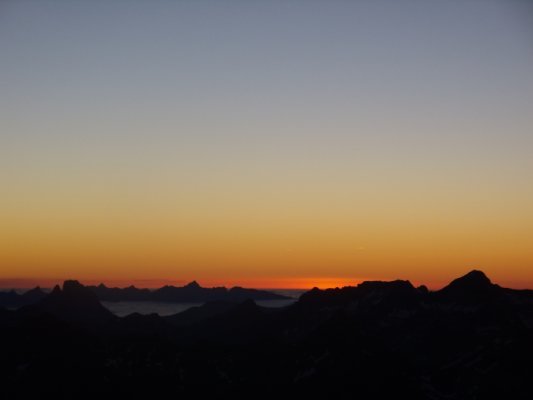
(303, 283)
(253, 160)
(257, 283)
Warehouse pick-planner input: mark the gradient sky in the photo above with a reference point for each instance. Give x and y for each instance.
(279, 143)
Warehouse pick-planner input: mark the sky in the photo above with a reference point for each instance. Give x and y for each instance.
(266, 144)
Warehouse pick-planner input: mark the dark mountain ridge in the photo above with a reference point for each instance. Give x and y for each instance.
(190, 293)
(74, 303)
(470, 340)
(14, 299)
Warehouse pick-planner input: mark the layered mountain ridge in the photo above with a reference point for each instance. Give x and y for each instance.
(473, 339)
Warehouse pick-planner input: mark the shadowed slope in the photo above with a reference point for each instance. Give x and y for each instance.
(473, 288)
(76, 303)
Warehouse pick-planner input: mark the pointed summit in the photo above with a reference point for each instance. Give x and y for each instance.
(36, 289)
(474, 280)
(471, 288)
(72, 287)
(75, 303)
(193, 285)
(56, 290)
(477, 275)
(33, 295)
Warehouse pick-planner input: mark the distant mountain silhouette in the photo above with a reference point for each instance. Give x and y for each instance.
(193, 285)
(378, 340)
(76, 303)
(130, 293)
(190, 293)
(10, 299)
(13, 299)
(33, 295)
(472, 288)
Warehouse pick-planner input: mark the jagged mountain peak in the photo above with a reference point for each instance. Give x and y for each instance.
(473, 288)
(475, 279)
(193, 285)
(70, 285)
(75, 302)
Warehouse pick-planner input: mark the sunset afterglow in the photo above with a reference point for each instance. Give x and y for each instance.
(265, 145)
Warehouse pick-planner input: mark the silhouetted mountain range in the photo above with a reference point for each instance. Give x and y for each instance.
(378, 340)
(75, 303)
(13, 299)
(190, 293)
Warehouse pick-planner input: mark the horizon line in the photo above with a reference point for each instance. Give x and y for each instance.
(273, 283)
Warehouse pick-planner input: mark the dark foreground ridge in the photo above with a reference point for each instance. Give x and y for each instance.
(378, 340)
